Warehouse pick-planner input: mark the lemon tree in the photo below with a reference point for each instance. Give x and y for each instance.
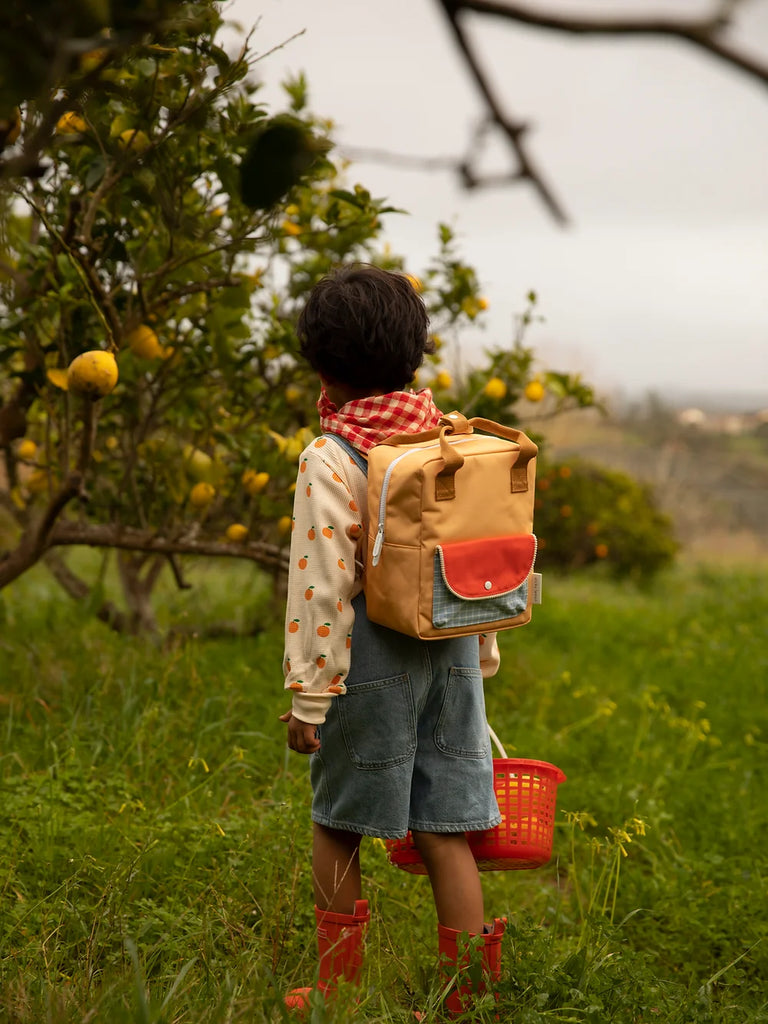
(152, 398)
(151, 395)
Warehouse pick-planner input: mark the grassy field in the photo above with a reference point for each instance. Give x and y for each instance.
(154, 836)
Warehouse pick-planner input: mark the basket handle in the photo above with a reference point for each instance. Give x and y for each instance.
(496, 741)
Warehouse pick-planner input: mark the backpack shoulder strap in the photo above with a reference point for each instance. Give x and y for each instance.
(358, 458)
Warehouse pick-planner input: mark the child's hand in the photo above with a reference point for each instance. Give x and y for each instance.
(302, 736)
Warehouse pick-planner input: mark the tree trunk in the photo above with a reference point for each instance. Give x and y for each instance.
(80, 591)
(137, 588)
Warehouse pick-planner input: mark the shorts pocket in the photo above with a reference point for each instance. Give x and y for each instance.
(378, 722)
(461, 728)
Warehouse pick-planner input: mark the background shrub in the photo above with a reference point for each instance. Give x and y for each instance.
(587, 514)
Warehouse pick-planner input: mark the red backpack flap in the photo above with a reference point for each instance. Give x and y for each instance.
(483, 582)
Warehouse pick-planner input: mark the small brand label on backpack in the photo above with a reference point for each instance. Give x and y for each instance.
(536, 581)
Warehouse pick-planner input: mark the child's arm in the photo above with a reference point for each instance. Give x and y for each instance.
(321, 584)
(489, 654)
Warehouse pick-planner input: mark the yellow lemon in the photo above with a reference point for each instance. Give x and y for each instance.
(143, 342)
(534, 391)
(292, 394)
(294, 448)
(27, 449)
(495, 389)
(237, 533)
(70, 123)
(482, 303)
(198, 464)
(10, 128)
(254, 482)
(93, 59)
(470, 306)
(443, 380)
(415, 282)
(58, 378)
(37, 481)
(133, 139)
(284, 524)
(93, 373)
(202, 494)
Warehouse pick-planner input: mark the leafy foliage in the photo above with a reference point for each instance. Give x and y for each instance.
(137, 240)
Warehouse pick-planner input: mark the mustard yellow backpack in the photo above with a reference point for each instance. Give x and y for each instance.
(451, 548)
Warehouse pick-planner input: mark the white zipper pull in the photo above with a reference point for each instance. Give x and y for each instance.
(378, 544)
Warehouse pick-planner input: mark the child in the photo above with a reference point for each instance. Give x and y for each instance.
(396, 726)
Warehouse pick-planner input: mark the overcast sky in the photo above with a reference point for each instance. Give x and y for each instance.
(659, 155)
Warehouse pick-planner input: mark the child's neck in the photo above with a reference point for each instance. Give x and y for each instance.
(340, 394)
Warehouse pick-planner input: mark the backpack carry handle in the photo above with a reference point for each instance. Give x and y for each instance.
(528, 450)
(453, 460)
(456, 423)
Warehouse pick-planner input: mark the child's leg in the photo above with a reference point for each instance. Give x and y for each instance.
(459, 902)
(454, 878)
(336, 869)
(342, 917)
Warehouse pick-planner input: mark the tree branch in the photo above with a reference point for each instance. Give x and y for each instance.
(130, 539)
(705, 33)
(35, 541)
(85, 272)
(526, 169)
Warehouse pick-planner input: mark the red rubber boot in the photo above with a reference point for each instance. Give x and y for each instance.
(340, 939)
(455, 962)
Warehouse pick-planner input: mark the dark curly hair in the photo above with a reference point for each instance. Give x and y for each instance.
(366, 328)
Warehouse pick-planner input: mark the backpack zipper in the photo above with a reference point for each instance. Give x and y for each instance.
(379, 540)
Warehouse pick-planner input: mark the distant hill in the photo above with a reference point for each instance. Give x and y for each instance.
(718, 402)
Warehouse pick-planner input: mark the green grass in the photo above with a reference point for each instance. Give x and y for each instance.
(154, 836)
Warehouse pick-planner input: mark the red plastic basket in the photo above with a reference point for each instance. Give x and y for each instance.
(526, 792)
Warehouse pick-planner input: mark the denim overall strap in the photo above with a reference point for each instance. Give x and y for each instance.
(354, 454)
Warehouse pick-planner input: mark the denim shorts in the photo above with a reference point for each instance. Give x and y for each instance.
(407, 746)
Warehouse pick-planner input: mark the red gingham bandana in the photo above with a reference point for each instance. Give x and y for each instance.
(366, 422)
